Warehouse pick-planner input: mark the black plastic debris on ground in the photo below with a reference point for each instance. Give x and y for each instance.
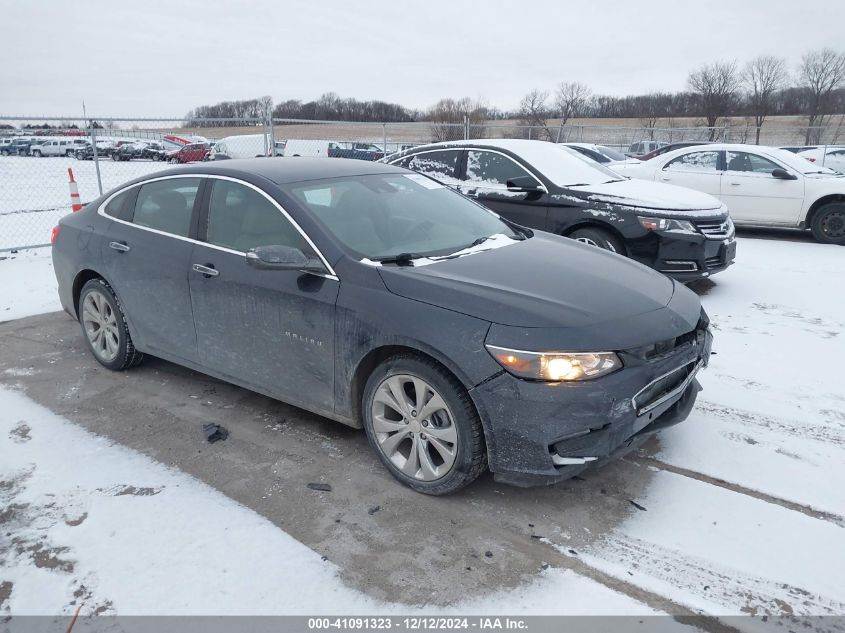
(373, 510)
(636, 505)
(318, 486)
(214, 432)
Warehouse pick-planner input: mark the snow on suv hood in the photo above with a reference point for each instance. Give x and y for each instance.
(651, 195)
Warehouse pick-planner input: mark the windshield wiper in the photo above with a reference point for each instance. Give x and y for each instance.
(402, 259)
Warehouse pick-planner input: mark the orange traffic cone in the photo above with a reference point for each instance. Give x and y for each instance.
(75, 204)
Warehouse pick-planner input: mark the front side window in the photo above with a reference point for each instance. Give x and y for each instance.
(752, 163)
(241, 218)
(492, 170)
(440, 164)
(384, 215)
(695, 161)
(166, 205)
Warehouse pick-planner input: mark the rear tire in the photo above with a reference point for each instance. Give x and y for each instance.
(599, 237)
(828, 223)
(441, 445)
(104, 327)
(37, 154)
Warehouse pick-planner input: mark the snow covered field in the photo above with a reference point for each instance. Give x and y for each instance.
(744, 512)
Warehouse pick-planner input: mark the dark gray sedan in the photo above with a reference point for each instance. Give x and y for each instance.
(379, 298)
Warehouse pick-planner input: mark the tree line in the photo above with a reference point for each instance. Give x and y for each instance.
(761, 87)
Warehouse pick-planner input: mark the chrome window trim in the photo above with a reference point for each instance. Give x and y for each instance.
(101, 211)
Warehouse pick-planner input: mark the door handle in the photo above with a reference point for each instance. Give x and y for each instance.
(735, 184)
(119, 246)
(206, 271)
(665, 178)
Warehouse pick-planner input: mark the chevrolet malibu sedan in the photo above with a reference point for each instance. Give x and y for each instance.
(379, 298)
(763, 186)
(682, 233)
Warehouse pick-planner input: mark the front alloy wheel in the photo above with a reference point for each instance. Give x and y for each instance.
(414, 427)
(423, 425)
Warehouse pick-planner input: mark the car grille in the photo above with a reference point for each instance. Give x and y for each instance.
(662, 386)
(715, 229)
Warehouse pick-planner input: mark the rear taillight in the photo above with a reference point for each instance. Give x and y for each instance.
(54, 234)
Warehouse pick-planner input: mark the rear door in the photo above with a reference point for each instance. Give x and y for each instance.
(485, 175)
(147, 254)
(272, 329)
(754, 196)
(698, 170)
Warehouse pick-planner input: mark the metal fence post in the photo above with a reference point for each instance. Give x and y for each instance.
(384, 137)
(466, 127)
(96, 161)
(272, 131)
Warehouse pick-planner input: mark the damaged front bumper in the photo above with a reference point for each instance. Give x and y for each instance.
(542, 433)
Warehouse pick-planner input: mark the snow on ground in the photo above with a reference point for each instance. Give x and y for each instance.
(744, 513)
(771, 419)
(120, 525)
(28, 284)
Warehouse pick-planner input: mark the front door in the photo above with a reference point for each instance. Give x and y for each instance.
(754, 196)
(485, 179)
(147, 258)
(271, 329)
(697, 170)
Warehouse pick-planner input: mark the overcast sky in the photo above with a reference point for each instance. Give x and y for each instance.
(161, 58)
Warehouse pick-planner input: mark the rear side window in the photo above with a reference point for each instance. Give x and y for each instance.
(695, 161)
(240, 218)
(489, 169)
(166, 205)
(117, 206)
(440, 165)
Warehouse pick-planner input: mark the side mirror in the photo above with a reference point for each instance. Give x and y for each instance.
(525, 184)
(782, 174)
(279, 257)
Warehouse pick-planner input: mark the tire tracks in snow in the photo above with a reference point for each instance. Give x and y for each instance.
(652, 462)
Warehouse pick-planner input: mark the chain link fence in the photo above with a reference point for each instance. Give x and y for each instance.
(36, 153)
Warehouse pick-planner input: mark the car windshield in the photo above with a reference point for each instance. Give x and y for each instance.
(799, 163)
(383, 216)
(566, 167)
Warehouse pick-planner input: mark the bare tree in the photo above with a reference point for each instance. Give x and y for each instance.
(534, 112)
(715, 86)
(570, 99)
(448, 116)
(821, 73)
(763, 77)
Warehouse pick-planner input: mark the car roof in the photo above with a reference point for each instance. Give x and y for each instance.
(284, 170)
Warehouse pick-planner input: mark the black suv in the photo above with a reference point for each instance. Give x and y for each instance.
(683, 233)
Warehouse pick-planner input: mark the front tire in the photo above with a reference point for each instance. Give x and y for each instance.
(37, 154)
(104, 327)
(828, 225)
(423, 426)
(600, 238)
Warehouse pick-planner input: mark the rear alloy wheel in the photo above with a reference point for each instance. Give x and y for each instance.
(69, 153)
(105, 328)
(598, 237)
(828, 224)
(423, 426)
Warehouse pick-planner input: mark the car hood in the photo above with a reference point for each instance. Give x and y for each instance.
(542, 282)
(648, 195)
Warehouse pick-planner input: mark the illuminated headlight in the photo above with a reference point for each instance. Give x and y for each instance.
(666, 224)
(556, 366)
